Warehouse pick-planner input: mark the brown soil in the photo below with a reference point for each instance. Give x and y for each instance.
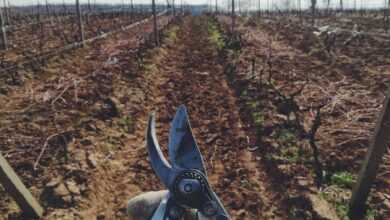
(86, 115)
(94, 131)
(352, 103)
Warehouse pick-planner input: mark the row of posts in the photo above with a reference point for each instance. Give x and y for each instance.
(3, 37)
(3, 28)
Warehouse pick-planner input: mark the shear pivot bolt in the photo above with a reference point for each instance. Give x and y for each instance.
(189, 186)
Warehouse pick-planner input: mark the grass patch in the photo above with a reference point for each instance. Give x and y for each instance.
(341, 184)
(215, 37)
(286, 135)
(127, 124)
(253, 104)
(291, 154)
(258, 118)
(343, 179)
(149, 67)
(171, 34)
(342, 208)
(289, 150)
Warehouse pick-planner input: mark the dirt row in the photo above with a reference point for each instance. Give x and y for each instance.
(63, 127)
(28, 42)
(349, 109)
(77, 135)
(189, 73)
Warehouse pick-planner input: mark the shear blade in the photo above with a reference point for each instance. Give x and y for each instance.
(159, 163)
(183, 150)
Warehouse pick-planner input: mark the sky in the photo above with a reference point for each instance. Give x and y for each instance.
(278, 3)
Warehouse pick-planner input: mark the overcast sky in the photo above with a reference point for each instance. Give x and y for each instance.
(278, 3)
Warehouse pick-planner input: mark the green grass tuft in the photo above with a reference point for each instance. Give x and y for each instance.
(172, 33)
(343, 179)
(215, 36)
(258, 118)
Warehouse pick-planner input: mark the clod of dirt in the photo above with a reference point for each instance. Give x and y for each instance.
(56, 194)
(61, 194)
(92, 161)
(107, 109)
(311, 206)
(322, 209)
(4, 90)
(73, 188)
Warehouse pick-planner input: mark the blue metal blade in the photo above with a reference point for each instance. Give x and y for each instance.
(160, 213)
(159, 163)
(183, 150)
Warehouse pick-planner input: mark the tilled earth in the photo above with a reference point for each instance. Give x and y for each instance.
(189, 73)
(75, 133)
(350, 106)
(89, 125)
(64, 128)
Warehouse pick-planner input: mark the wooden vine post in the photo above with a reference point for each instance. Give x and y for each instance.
(80, 23)
(5, 13)
(388, 11)
(89, 6)
(313, 11)
(174, 8)
(155, 29)
(379, 143)
(233, 16)
(3, 37)
(132, 7)
(386, 20)
(300, 10)
(14, 186)
(47, 8)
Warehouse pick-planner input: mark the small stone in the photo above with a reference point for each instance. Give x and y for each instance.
(284, 167)
(67, 199)
(303, 182)
(91, 127)
(92, 161)
(61, 191)
(73, 188)
(241, 213)
(53, 183)
(322, 209)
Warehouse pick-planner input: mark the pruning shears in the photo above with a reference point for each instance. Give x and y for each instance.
(186, 177)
